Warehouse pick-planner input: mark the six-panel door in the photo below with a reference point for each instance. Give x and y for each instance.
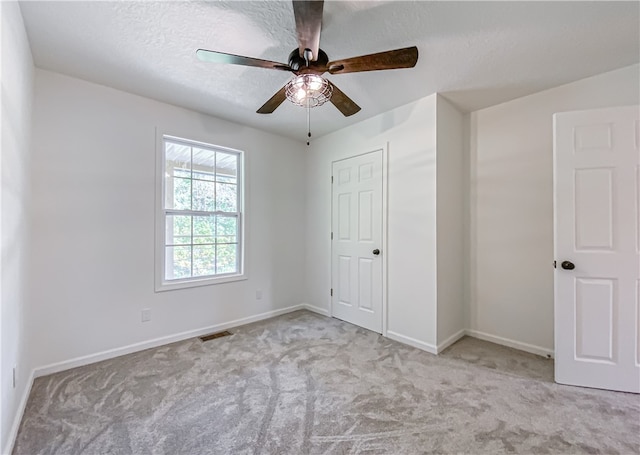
(597, 171)
(357, 233)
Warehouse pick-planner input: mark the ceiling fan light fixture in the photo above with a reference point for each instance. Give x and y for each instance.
(308, 90)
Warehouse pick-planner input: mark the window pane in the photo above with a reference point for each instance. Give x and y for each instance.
(203, 196)
(177, 156)
(200, 179)
(204, 229)
(226, 261)
(178, 193)
(178, 230)
(204, 260)
(204, 164)
(227, 229)
(226, 197)
(177, 164)
(184, 173)
(226, 167)
(178, 262)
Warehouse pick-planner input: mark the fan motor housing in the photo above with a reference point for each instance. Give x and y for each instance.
(296, 62)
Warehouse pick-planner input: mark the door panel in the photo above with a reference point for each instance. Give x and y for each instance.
(594, 319)
(596, 213)
(638, 209)
(365, 216)
(594, 209)
(344, 280)
(357, 231)
(365, 284)
(344, 217)
(638, 323)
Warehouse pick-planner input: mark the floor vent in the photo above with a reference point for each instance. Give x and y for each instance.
(211, 336)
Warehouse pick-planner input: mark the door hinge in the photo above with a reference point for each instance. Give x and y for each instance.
(332, 236)
(554, 264)
(331, 292)
(332, 179)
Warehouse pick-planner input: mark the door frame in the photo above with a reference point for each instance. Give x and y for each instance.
(385, 216)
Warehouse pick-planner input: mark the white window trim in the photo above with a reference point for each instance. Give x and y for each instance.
(168, 285)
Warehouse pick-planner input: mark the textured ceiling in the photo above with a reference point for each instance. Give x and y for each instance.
(476, 53)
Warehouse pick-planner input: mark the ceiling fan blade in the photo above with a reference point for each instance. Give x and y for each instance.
(308, 16)
(273, 102)
(343, 102)
(221, 57)
(398, 58)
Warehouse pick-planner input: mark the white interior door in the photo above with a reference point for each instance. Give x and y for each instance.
(356, 247)
(597, 242)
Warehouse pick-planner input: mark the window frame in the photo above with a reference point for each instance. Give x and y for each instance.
(161, 283)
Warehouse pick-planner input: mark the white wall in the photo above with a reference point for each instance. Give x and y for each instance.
(93, 221)
(16, 77)
(511, 144)
(450, 222)
(410, 133)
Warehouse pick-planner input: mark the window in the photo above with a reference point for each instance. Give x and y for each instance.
(200, 222)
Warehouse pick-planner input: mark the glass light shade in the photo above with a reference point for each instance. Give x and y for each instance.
(308, 90)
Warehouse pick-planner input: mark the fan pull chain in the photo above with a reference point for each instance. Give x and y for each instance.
(307, 56)
(308, 122)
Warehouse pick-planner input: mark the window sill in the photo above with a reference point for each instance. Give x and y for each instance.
(185, 284)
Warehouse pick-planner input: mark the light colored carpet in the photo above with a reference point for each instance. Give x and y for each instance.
(302, 383)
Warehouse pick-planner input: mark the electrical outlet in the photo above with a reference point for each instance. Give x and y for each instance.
(14, 377)
(259, 294)
(146, 315)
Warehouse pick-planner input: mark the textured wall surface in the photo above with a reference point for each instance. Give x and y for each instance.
(16, 77)
(451, 228)
(512, 206)
(410, 132)
(94, 152)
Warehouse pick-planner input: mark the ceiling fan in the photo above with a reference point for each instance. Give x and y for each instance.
(308, 63)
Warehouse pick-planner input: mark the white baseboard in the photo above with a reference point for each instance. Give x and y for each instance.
(316, 309)
(412, 342)
(473, 333)
(428, 347)
(452, 339)
(111, 353)
(13, 432)
(533, 349)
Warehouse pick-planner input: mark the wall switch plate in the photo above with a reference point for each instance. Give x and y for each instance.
(146, 315)
(259, 294)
